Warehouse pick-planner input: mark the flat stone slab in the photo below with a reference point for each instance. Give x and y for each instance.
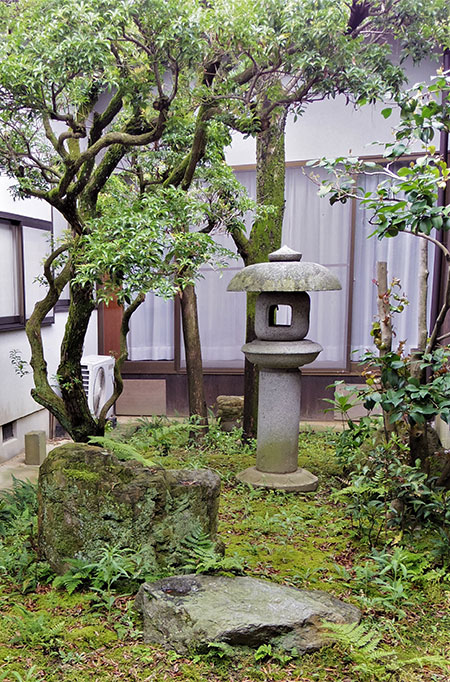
(187, 612)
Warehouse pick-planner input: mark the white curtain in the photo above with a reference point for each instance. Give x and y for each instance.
(151, 335)
(402, 256)
(222, 313)
(221, 320)
(321, 233)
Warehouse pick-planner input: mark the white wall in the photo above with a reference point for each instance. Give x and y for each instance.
(333, 128)
(34, 208)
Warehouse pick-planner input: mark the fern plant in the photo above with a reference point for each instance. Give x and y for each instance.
(200, 556)
(18, 520)
(374, 661)
(37, 630)
(162, 435)
(111, 565)
(113, 568)
(13, 503)
(122, 451)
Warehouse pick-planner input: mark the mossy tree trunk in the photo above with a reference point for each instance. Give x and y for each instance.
(265, 236)
(71, 407)
(192, 345)
(81, 424)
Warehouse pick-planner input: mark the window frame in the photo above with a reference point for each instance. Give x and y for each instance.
(17, 223)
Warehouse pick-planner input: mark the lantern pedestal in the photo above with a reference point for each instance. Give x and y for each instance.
(278, 425)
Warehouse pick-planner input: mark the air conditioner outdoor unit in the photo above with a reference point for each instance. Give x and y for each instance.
(97, 372)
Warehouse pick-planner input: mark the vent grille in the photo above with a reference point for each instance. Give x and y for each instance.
(85, 378)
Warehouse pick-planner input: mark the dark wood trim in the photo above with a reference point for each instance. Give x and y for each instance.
(109, 320)
(46, 322)
(10, 323)
(18, 222)
(351, 281)
(62, 306)
(177, 334)
(38, 223)
(21, 271)
(148, 367)
(140, 368)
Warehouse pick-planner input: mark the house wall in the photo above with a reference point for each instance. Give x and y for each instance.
(333, 128)
(328, 128)
(19, 413)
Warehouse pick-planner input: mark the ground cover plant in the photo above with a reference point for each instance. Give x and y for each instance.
(348, 539)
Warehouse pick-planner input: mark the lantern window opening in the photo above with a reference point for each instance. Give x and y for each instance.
(280, 315)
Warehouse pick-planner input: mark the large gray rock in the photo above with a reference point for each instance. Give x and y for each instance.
(89, 499)
(187, 612)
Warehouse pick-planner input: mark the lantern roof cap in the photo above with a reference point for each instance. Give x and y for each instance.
(284, 272)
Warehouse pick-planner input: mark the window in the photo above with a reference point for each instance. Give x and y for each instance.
(334, 236)
(24, 243)
(8, 431)
(11, 274)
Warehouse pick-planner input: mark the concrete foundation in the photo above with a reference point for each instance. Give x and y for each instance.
(298, 481)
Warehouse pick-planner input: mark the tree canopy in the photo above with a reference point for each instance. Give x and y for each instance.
(143, 88)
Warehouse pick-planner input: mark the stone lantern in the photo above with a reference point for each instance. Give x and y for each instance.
(278, 351)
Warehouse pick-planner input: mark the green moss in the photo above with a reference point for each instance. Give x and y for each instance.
(95, 636)
(82, 475)
(8, 654)
(289, 538)
(266, 232)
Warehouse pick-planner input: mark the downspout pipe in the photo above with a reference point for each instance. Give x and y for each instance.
(437, 289)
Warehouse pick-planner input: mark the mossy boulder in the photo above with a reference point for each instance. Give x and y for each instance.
(88, 499)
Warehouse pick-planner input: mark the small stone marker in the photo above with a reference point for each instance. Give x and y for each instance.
(189, 611)
(35, 447)
(230, 409)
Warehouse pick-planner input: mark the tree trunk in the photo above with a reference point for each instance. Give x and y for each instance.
(192, 345)
(422, 330)
(383, 308)
(384, 343)
(79, 423)
(265, 236)
(418, 447)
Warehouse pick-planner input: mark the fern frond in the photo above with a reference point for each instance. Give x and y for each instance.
(362, 643)
(200, 556)
(122, 451)
(355, 636)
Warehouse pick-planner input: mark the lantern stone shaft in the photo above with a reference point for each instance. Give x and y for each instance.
(279, 350)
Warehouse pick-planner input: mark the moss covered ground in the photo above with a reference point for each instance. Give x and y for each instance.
(304, 540)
